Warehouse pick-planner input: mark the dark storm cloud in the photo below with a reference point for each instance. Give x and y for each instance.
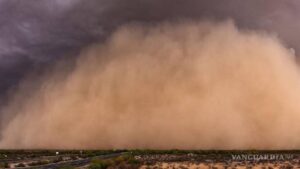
(35, 34)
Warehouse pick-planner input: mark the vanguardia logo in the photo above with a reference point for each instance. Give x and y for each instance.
(261, 157)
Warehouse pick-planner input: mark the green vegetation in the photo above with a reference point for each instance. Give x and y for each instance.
(100, 164)
(127, 159)
(38, 153)
(41, 162)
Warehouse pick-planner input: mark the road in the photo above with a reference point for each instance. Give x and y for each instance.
(74, 163)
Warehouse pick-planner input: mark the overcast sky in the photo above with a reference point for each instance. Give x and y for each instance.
(34, 34)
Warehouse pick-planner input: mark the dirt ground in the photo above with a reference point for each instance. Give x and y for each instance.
(233, 165)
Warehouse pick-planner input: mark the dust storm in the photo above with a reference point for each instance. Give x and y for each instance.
(183, 85)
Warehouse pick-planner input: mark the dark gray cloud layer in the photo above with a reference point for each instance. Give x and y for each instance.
(35, 34)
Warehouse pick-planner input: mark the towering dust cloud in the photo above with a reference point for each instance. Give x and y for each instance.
(175, 85)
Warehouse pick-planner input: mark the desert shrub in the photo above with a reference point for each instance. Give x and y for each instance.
(119, 159)
(90, 154)
(41, 162)
(131, 160)
(124, 160)
(56, 161)
(99, 164)
(4, 165)
(74, 157)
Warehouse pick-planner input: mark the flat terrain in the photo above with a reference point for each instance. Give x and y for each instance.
(148, 159)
